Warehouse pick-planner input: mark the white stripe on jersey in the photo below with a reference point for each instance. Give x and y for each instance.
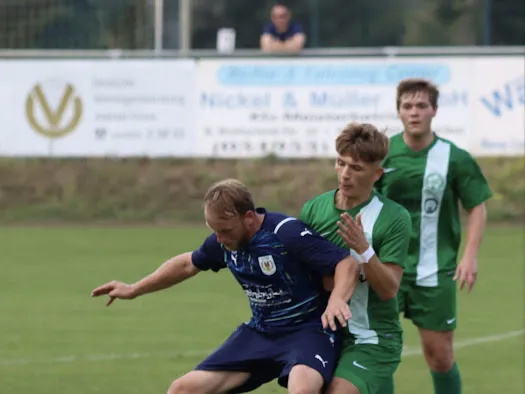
(280, 224)
(359, 324)
(434, 183)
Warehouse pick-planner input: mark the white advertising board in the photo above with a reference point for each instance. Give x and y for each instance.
(296, 108)
(498, 100)
(67, 108)
(247, 107)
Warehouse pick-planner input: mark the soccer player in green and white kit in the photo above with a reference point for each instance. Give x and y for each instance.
(377, 231)
(428, 175)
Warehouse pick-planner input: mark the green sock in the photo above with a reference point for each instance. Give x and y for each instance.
(447, 382)
(387, 386)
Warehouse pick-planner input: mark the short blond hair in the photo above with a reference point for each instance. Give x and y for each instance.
(229, 198)
(362, 141)
(417, 85)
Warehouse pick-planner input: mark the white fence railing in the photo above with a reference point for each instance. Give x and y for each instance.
(242, 53)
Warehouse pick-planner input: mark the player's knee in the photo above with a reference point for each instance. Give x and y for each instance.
(440, 358)
(304, 380)
(303, 389)
(441, 362)
(438, 349)
(185, 385)
(339, 386)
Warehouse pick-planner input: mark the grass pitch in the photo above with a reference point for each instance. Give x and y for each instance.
(55, 339)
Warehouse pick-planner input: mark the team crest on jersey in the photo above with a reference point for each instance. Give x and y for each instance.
(434, 182)
(430, 205)
(267, 265)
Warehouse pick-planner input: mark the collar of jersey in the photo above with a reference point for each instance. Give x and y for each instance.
(422, 151)
(260, 211)
(355, 209)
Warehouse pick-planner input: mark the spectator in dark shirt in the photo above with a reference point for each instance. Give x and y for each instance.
(282, 35)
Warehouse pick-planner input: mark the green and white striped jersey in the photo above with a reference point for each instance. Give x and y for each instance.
(387, 227)
(429, 183)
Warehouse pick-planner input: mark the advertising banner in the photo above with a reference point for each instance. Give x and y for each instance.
(498, 101)
(247, 107)
(296, 108)
(67, 108)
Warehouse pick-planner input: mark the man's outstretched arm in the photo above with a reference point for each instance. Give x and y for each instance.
(173, 271)
(177, 269)
(345, 280)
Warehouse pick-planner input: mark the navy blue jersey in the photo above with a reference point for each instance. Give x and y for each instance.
(293, 29)
(280, 271)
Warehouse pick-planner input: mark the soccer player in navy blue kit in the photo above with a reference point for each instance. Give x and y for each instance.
(280, 264)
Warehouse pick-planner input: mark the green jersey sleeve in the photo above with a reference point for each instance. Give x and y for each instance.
(395, 239)
(469, 182)
(306, 213)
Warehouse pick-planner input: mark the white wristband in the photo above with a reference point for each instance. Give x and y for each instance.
(367, 255)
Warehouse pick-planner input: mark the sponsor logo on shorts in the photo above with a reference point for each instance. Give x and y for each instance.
(356, 364)
(318, 357)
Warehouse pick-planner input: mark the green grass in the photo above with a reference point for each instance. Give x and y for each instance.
(47, 314)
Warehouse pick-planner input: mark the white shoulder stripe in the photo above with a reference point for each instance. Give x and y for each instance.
(281, 224)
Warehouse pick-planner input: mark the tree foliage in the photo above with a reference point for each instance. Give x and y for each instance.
(128, 24)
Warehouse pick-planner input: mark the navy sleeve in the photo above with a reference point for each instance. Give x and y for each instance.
(307, 246)
(268, 29)
(210, 255)
(296, 28)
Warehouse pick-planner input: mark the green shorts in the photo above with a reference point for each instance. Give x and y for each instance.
(431, 308)
(368, 366)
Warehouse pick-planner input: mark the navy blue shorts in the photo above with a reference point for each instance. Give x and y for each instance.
(267, 357)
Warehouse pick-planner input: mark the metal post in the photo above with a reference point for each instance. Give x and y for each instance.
(314, 24)
(487, 22)
(185, 25)
(159, 25)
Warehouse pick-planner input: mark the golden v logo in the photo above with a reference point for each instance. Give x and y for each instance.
(53, 124)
